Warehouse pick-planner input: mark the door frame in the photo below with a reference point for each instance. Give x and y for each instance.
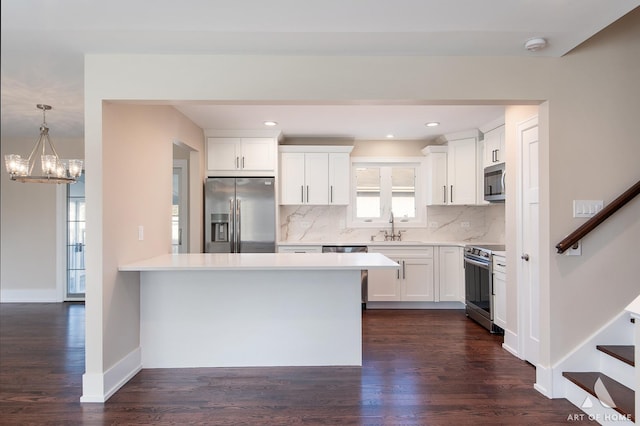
(184, 221)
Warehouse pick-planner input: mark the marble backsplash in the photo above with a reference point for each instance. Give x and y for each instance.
(314, 224)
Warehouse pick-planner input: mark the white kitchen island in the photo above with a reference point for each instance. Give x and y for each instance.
(263, 309)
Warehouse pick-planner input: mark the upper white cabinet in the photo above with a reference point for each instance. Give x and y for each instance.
(314, 175)
(452, 172)
(461, 171)
(436, 165)
(241, 156)
(494, 147)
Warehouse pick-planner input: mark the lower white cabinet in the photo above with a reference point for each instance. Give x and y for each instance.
(299, 249)
(450, 274)
(413, 282)
(499, 291)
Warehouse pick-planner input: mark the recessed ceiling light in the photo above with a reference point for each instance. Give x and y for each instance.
(432, 124)
(390, 136)
(535, 44)
(270, 123)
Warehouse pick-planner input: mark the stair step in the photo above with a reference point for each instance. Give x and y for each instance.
(622, 396)
(625, 353)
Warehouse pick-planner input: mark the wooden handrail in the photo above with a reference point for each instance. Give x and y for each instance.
(573, 238)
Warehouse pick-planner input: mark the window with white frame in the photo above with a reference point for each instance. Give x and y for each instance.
(382, 188)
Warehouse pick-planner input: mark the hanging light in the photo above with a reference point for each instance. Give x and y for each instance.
(53, 169)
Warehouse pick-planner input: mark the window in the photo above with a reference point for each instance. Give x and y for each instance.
(382, 188)
(76, 224)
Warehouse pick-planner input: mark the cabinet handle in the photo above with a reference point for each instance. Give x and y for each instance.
(237, 162)
(302, 193)
(331, 194)
(243, 161)
(307, 193)
(404, 275)
(398, 273)
(444, 194)
(451, 199)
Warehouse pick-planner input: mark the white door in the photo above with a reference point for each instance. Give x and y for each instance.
(529, 262)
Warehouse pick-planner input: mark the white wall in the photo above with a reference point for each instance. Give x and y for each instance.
(593, 100)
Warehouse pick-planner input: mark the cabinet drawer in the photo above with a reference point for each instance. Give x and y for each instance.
(299, 249)
(499, 264)
(402, 250)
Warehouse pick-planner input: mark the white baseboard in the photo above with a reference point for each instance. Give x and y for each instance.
(30, 296)
(544, 380)
(100, 387)
(415, 305)
(510, 343)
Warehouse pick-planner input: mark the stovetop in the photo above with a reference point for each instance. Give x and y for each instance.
(488, 247)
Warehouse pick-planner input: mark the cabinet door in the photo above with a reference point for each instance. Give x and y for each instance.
(292, 178)
(257, 154)
(223, 154)
(500, 299)
(494, 147)
(316, 176)
(417, 279)
(461, 171)
(339, 173)
(451, 274)
(437, 179)
(383, 285)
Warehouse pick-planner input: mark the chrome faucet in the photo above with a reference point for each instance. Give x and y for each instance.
(392, 236)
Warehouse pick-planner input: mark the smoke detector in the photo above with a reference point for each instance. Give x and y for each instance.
(535, 44)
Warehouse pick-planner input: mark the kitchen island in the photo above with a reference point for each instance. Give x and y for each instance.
(254, 309)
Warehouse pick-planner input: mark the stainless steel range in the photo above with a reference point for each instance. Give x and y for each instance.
(478, 281)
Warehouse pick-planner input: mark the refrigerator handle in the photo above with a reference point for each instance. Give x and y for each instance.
(239, 222)
(232, 226)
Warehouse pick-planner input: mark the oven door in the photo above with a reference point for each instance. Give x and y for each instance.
(477, 280)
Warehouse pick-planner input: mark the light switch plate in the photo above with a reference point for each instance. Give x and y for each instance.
(587, 208)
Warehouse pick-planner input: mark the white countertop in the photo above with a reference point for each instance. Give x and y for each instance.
(261, 261)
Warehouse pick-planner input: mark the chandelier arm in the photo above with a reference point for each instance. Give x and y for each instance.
(33, 151)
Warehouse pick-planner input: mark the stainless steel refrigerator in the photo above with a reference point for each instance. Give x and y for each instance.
(240, 215)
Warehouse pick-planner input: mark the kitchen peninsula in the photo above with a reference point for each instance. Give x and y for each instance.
(253, 309)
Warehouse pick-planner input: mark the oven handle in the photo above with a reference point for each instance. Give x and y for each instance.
(475, 262)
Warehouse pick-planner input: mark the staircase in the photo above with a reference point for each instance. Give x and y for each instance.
(606, 395)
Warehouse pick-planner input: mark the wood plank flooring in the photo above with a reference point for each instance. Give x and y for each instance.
(420, 368)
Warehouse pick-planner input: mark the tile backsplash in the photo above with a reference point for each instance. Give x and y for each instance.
(444, 224)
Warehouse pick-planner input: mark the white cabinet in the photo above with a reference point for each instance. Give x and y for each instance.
(461, 171)
(304, 178)
(413, 282)
(494, 147)
(450, 274)
(452, 173)
(314, 175)
(241, 156)
(499, 291)
(436, 165)
(299, 249)
(339, 177)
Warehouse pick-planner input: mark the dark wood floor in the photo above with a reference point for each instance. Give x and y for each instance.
(420, 368)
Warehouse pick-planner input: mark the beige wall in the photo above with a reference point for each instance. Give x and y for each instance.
(28, 220)
(137, 154)
(589, 119)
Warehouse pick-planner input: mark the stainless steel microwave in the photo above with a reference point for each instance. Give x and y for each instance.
(494, 183)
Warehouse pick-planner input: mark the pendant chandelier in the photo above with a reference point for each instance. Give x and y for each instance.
(52, 168)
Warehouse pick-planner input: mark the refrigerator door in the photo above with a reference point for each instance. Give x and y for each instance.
(255, 210)
(219, 224)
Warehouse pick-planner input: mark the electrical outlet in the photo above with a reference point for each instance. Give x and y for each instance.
(433, 224)
(140, 233)
(464, 224)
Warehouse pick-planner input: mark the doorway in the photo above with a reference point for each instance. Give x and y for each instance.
(180, 207)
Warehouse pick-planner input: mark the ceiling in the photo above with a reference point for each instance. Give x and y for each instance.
(43, 43)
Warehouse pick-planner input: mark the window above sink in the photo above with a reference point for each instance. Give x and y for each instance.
(383, 189)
